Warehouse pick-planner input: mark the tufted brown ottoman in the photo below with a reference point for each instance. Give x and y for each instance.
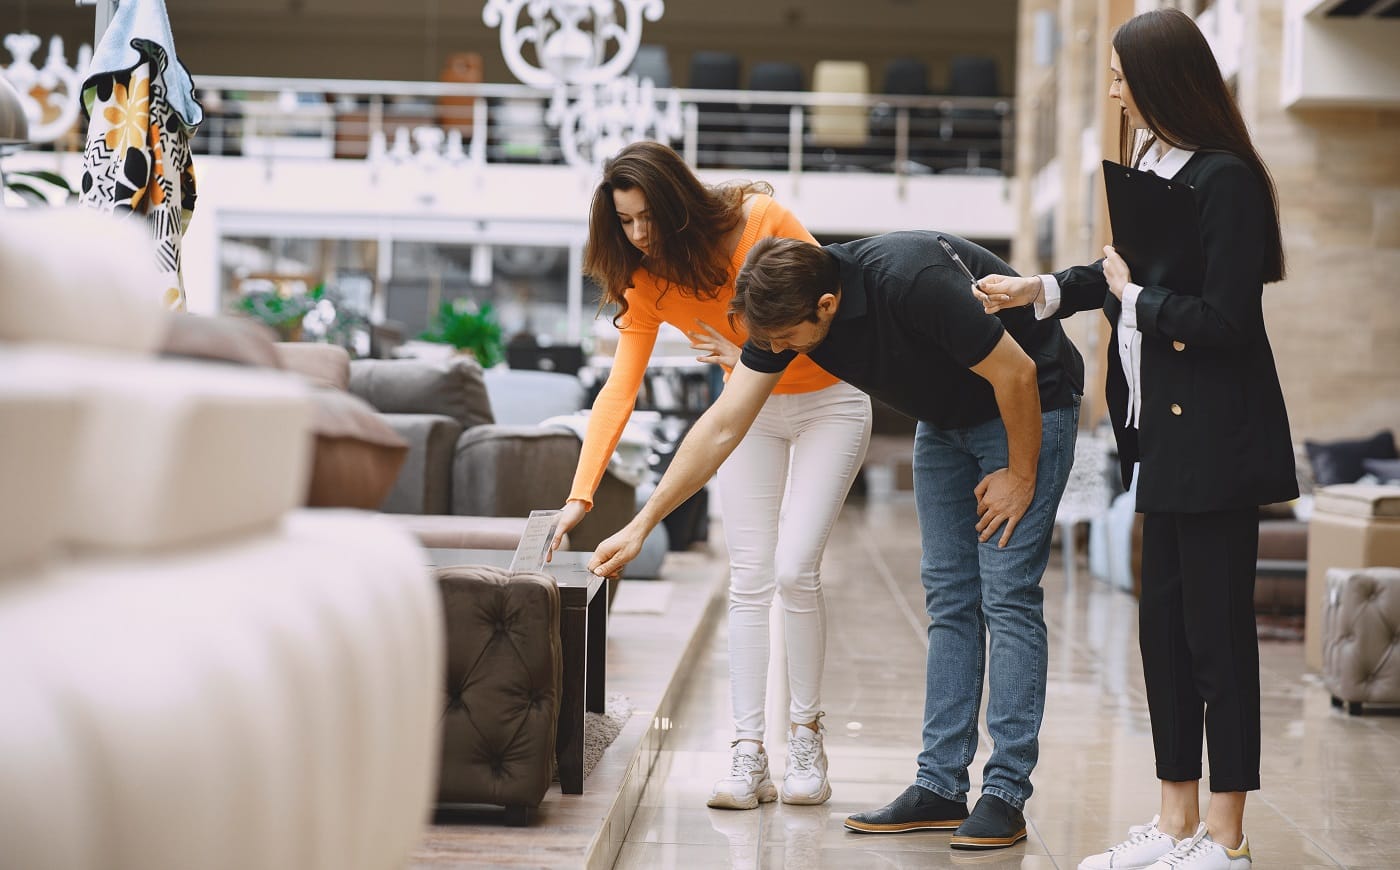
(502, 688)
(1360, 660)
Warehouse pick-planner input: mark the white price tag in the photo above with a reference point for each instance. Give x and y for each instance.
(534, 543)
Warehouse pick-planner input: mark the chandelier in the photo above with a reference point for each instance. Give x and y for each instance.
(49, 94)
(580, 49)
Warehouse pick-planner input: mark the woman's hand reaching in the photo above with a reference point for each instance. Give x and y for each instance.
(996, 292)
(713, 346)
(570, 515)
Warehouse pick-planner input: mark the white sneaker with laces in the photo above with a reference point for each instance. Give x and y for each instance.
(748, 783)
(1200, 852)
(804, 782)
(1145, 845)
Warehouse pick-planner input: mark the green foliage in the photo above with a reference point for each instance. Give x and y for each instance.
(29, 184)
(467, 326)
(283, 312)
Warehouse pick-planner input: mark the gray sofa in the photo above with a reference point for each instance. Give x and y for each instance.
(462, 462)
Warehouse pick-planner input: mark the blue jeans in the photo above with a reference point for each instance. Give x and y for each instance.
(973, 589)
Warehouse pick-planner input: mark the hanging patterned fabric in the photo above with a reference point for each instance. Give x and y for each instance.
(142, 115)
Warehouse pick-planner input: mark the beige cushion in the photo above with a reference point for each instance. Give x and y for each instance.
(271, 703)
(324, 365)
(40, 431)
(74, 276)
(170, 453)
(221, 339)
(840, 125)
(1359, 500)
(357, 456)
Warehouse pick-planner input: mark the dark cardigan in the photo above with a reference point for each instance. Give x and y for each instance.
(1213, 432)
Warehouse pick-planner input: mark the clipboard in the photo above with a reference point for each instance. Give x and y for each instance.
(1156, 229)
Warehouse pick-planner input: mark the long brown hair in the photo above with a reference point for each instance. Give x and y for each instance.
(1177, 86)
(689, 221)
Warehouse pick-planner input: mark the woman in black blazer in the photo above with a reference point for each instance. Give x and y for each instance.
(1195, 399)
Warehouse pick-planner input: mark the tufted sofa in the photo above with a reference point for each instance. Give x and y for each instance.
(194, 673)
(1361, 662)
(501, 695)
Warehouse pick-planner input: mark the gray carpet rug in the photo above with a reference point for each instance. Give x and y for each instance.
(601, 729)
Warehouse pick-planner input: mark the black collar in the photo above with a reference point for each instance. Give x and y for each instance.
(852, 289)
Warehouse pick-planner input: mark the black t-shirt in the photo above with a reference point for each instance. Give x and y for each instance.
(908, 331)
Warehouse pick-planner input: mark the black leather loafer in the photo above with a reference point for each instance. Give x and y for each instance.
(917, 809)
(994, 824)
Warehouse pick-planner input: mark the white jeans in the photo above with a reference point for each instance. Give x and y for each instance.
(780, 492)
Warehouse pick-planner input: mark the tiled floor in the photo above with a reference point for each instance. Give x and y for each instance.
(1331, 792)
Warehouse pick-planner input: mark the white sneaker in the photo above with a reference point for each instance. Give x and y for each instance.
(748, 783)
(805, 782)
(1145, 844)
(1200, 852)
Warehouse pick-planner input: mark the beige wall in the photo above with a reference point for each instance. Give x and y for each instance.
(1335, 321)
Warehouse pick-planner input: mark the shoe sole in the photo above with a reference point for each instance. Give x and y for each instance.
(902, 827)
(988, 842)
(820, 797)
(730, 802)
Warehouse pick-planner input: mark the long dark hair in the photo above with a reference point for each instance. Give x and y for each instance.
(1177, 86)
(688, 224)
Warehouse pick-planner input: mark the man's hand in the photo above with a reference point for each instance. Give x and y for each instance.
(1002, 498)
(570, 515)
(613, 554)
(713, 346)
(996, 292)
(1115, 271)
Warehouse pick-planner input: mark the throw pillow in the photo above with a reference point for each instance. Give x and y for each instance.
(357, 455)
(1385, 470)
(220, 339)
(453, 388)
(1340, 461)
(324, 365)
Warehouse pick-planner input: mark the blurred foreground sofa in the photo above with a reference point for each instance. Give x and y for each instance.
(194, 672)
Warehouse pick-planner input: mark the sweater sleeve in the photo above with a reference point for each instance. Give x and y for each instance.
(616, 400)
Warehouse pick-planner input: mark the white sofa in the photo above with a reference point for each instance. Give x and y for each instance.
(193, 673)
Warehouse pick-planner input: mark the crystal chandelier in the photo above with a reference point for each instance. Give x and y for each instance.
(50, 93)
(580, 49)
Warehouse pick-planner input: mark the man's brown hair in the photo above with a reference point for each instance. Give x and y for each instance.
(779, 285)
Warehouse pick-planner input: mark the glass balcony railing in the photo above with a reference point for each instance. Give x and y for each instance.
(297, 119)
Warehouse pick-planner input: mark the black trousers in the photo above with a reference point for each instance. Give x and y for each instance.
(1200, 648)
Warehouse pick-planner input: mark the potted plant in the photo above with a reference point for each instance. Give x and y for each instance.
(468, 327)
(281, 309)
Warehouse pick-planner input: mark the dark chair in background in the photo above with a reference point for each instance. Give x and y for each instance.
(766, 125)
(972, 137)
(652, 62)
(905, 77)
(716, 71)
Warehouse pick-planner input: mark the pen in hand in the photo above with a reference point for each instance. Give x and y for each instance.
(976, 287)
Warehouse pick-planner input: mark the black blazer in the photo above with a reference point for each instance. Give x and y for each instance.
(1213, 432)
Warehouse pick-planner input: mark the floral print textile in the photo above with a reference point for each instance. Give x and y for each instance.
(137, 160)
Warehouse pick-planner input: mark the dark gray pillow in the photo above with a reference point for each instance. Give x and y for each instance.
(453, 388)
(1341, 461)
(1388, 470)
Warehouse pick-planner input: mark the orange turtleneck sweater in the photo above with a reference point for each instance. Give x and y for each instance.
(648, 310)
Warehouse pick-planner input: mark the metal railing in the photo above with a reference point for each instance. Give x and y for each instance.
(294, 118)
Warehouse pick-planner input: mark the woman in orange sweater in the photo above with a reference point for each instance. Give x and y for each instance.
(665, 247)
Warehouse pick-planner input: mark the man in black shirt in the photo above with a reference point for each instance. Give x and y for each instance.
(997, 399)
